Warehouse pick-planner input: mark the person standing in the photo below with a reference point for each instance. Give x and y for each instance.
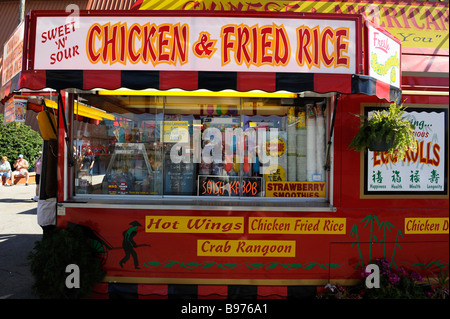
(21, 168)
(87, 162)
(37, 167)
(5, 171)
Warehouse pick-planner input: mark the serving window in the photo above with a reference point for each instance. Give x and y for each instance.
(200, 147)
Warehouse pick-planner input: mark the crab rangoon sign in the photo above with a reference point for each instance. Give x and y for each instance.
(311, 43)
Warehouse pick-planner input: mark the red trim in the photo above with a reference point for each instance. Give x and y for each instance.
(247, 81)
(32, 79)
(212, 292)
(137, 5)
(35, 107)
(186, 80)
(338, 82)
(421, 82)
(272, 292)
(101, 79)
(383, 90)
(184, 13)
(31, 43)
(100, 291)
(425, 99)
(424, 63)
(152, 291)
(61, 147)
(426, 51)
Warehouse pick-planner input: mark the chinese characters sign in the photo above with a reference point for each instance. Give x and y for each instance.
(420, 171)
(201, 44)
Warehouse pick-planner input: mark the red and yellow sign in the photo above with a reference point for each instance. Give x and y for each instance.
(194, 224)
(295, 189)
(416, 24)
(426, 226)
(12, 55)
(178, 42)
(246, 248)
(287, 225)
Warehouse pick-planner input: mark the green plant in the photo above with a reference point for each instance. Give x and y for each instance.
(17, 138)
(53, 254)
(440, 288)
(388, 126)
(395, 283)
(338, 292)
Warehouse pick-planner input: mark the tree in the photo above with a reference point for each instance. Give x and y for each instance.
(17, 138)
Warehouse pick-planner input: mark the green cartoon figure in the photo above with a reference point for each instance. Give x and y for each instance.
(128, 244)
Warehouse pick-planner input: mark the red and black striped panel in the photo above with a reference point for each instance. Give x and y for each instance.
(193, 80)
(161, 291)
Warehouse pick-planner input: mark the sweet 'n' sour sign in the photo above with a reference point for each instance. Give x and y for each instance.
(196, 43)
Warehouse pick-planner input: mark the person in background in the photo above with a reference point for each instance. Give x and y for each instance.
(5, 171)
(37, 167)
(21, 168)
(87, 162)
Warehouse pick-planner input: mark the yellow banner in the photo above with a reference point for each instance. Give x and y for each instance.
(293, 225)
(176, 131)
(426, 226)
(295, 189)
(246, 248)
(194, 224)
(416, 25)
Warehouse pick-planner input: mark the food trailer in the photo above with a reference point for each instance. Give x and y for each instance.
(219, 149)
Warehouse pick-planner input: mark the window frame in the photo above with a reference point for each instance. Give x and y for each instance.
(220, 202)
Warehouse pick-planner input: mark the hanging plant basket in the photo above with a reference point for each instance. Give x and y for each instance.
(381, 144)
(385, 131)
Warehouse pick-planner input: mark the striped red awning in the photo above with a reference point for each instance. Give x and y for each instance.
(193, 80)
(163, 291)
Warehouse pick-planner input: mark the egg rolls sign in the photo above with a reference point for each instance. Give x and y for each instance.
(197, 43)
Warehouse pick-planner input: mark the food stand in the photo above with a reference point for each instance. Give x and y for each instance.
(221, 142)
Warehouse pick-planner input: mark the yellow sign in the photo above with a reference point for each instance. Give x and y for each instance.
(246, 248)
(295, 225)
(176, 131)
(295, 189)
(275, 173)
(194, 224)
(416, 25)
(426, 226)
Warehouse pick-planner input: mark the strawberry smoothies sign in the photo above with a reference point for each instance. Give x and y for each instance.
(420, 172)
(205, 43)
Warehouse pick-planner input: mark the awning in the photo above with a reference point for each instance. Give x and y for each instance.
(171, 291)
(84, 110)
(268, 52)
(192, 80)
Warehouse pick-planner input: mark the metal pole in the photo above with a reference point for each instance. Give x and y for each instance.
(21, 10)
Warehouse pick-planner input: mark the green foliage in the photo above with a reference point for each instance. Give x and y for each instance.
(388, 125)
(395, 283)
(18, 138)
(53, 254)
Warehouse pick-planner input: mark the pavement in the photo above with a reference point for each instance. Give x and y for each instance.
(18, 233)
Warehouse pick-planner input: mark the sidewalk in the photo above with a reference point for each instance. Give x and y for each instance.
(18, 233)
